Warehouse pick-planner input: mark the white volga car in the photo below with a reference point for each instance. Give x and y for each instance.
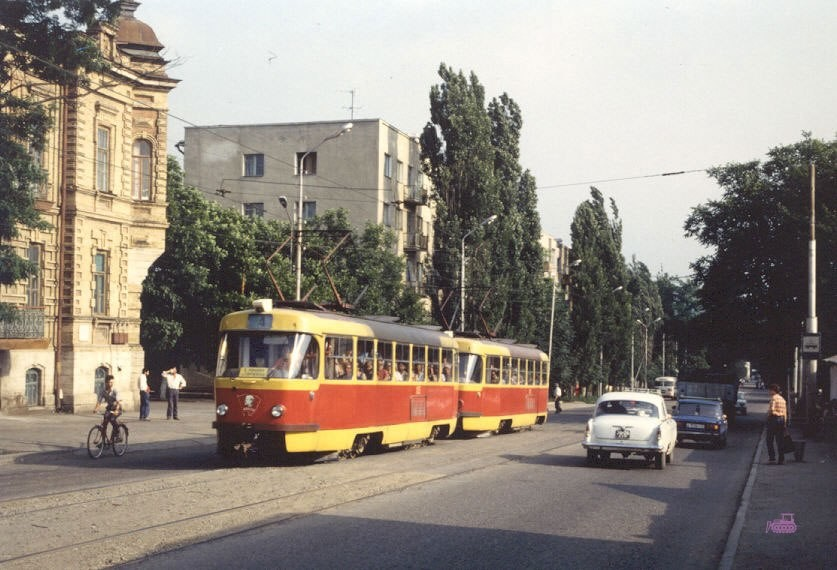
(632, 422)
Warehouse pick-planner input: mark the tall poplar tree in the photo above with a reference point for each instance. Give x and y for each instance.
(472, 156)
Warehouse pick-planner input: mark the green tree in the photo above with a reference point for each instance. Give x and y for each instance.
(685, 347)
(754, 287)
(472, 155)
(600, 313)
(41, 41)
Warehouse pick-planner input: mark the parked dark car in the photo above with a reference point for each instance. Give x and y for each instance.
(701, 420)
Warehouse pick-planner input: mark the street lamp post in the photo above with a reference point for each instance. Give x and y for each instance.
(645, 355)
(301, 164)
(486, 221)
(283, 201)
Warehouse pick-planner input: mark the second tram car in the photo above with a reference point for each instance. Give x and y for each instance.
(502, 386)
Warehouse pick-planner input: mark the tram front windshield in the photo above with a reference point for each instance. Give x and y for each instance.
(267, 355)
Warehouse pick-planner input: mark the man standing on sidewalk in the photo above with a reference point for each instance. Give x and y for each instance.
(777, 417)
(145, 396)
(174, 383)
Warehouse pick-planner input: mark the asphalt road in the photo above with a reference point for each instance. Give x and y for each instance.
(517, 500)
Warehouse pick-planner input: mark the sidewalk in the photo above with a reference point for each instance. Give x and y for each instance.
(45, 432)
(805, 493)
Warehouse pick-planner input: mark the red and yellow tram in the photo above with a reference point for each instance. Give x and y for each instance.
(502, 386)
(309, 381)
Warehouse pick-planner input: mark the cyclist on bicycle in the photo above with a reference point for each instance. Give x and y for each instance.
(113, 405)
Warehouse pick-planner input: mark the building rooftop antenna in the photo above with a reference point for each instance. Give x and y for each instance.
(352, 107)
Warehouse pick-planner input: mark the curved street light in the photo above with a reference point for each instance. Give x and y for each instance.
(301, 164)
(488, 220)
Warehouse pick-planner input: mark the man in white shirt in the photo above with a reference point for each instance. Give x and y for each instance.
(174, 383)
(145, 395)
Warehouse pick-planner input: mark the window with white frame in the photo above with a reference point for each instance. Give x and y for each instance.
(399, 171)
(39, 188)
(387, 165)
(103, 159)
(253, 165)
(254, 209)
(100, 282)
(141, 170)
(309, 209)
(309, 165)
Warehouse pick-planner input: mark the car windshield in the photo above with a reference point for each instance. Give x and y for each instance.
(627, 407)
(708, 410)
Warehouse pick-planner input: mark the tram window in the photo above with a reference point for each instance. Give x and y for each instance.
(402, 362)
(365, 359)
(420, 353)
(448, 371)
(526, 372)
(493, 369)
(384, 360)
(339, 355)
(470, 368)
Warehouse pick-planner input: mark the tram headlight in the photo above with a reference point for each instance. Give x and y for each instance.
(221, 410)
(277, 411)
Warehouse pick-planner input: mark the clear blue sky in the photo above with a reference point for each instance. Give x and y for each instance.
(608, 89)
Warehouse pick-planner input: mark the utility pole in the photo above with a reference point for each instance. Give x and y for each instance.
(811, 340)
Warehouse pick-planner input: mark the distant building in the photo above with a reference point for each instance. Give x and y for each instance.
(373, 171)
(105, 197)
(556, 265)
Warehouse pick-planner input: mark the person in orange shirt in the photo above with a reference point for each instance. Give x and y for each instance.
(777, 418)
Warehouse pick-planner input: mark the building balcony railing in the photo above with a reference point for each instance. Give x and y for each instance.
(28, 323)
(415, 195)
(415, 241)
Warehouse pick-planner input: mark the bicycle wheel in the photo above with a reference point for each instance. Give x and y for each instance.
(120, 441)
(95, 442)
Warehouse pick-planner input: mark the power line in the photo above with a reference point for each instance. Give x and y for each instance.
(622, 179)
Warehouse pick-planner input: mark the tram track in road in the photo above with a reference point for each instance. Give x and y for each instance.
(184, 509)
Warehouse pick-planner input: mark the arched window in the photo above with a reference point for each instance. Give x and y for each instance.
(33, 387)
(99, 380)
(141, 172)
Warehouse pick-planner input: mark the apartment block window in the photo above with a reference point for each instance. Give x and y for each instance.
(253, 165)
(399, 172)
(141, 173)
(254, 209)
(103, 159)
(389, 215)
(411, 176)
(100, 282)
(309, 210)
(33, 286)
(388, 166)
(309, 167)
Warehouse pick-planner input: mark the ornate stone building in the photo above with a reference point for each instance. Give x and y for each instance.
(105, 197)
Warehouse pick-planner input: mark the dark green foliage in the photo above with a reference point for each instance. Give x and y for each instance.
(754, 288)
(472, 154)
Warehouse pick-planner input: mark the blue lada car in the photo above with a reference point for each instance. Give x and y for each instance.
(701, 420)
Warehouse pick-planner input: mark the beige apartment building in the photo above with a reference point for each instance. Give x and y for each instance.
(105, 197)
(373, 171)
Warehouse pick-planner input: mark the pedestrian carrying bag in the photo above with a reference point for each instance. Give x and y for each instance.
(787, 443)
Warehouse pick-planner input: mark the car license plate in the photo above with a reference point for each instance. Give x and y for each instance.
(694, 426)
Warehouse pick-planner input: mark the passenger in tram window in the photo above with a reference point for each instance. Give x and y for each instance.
(446, 377)
(366, 372)
(418, 374)
(385, 372)
(433, 373)
(495, 378)
(401, 372)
